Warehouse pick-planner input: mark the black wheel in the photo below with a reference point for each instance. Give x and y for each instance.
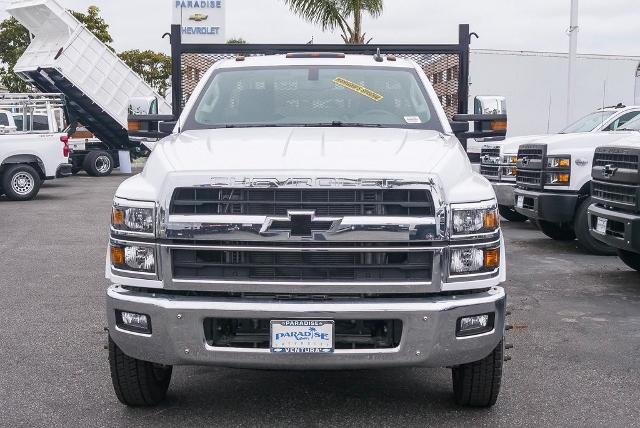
(477, 384)
(581, 229)
(630, 259)
(512, 215)
(98, 164)
(21, 182)
(556, 231)
(137, 383)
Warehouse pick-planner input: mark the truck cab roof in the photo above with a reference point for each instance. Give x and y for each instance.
(315, 58)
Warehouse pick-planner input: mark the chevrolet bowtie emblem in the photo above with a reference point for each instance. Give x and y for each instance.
(299, 224)
(198, 17)
(609, 171)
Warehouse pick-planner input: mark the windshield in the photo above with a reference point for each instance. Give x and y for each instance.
(313, 96)
(632, 125)
(589, 122)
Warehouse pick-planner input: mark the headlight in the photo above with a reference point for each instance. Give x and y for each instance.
(475, 218)
(133, 218)
(136, 258)
(559, 162)
(558, 178)
(510, 159)
(474, 260)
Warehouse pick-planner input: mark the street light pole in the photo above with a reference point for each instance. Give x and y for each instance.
(573, 49)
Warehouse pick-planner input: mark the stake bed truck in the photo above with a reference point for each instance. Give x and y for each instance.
(308, 211)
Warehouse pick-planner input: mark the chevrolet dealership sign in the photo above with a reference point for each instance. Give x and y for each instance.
(201, 21)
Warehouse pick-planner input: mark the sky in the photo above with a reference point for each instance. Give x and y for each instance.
(606, 26)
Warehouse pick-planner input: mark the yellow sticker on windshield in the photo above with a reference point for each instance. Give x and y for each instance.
(358, 88)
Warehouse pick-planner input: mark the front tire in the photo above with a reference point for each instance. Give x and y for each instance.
(556, 231)
(510, 214)
(98, 164)
(21, 182)
(630, 259)
(477, 384)
(581, 229)
(137, 383)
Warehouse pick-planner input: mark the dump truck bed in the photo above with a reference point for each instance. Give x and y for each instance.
(66, 57)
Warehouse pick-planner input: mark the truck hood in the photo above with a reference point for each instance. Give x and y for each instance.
(313, 153)
(571, 143)
(309, 149)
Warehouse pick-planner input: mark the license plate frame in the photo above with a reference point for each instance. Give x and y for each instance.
(302, 336)
(601, 225)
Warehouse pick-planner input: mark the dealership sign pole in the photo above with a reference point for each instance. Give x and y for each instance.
(573, 48)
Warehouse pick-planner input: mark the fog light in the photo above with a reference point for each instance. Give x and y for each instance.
(132, 321)
(475, 324)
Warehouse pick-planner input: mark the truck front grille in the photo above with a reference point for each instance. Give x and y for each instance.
(254, 265)
(616, 160)
(531, 179)
(325, 202)
(349, 334)
(615, 194)
(531, 158)
(490, 162)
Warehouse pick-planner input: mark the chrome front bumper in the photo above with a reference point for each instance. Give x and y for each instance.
(504, 193)
(428, 336)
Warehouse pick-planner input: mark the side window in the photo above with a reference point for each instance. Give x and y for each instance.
(622, 120)
(3, 119)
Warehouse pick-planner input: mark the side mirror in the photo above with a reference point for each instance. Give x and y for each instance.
(489, 119)
(167, 126)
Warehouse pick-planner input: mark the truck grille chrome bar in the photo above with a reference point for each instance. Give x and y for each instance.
(325, 202)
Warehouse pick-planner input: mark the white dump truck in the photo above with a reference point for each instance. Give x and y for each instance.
(64, 56)
(308, 211)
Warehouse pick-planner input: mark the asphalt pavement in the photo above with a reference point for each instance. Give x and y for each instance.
(576, 360)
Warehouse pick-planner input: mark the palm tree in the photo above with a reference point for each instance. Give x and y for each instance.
(343, 14)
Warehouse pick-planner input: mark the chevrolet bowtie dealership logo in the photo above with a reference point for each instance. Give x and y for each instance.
(198, 17)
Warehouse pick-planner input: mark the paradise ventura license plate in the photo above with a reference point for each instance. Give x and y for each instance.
(601, 226)
(302, 336)
(520, 202)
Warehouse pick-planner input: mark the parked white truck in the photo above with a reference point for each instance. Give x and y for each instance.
(554, 184)
(35, 148)
(498, 159)
(614, 216)
(309, 211)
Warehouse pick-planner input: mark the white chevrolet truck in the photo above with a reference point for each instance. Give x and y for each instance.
(498, 160)
(614, 216)
(308, 211)
(554, 185)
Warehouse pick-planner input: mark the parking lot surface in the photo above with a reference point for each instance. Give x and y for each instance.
(576, 360)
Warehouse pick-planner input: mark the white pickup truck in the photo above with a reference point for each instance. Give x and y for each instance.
(498, 159)
(309, 211)
(33, 148)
